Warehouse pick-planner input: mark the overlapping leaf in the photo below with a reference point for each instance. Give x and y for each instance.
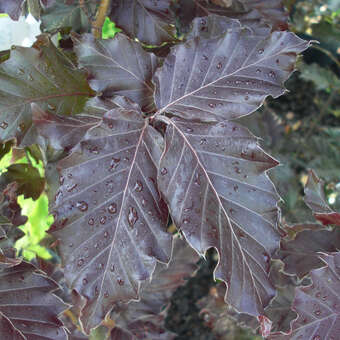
(72, 14)
(300, 255)
(12, 7)
(315, 199)
(40, 74)
(112, 221)
(148, 21)
(317, 305)
(143, 319)
(28, 309)
(253, 14)
(225, 77)
(213, 178)
(118, 66)
(29, 181)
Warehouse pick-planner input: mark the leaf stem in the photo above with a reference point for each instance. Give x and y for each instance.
(100, 18)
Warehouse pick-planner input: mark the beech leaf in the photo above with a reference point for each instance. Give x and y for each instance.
(12, 7)
(118, 66)
(39, 74)
(317, 305)
(30, 184)
(300, 255)
(316, 201)
(148, 21)
(213, 178)
(226, 77)
(110, 219)
(28, 309)
(68, 14)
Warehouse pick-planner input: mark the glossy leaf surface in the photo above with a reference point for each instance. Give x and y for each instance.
(40, 74)
(315, 199)
(148, 21)
(110, 219)
(317, 305)
(226, 77)
(118, 66)
(213, 179)
(28, 309)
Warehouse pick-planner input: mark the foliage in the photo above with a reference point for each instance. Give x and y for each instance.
(138, 130)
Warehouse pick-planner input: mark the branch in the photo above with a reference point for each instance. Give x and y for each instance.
(100, 18)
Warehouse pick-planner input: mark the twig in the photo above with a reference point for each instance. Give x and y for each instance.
(328, 53)
(100, 18)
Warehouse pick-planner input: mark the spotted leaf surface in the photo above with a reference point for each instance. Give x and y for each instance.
(39, 74)
(213, 178)
(111, 221)
(226, 77)
(148, 21)
(118, 66)
(28, 309)
(317, 305)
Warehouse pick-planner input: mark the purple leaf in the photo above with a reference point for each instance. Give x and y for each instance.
(165, 280)
(110, 218)
(300, 255)
(213, 178)
(148, 21)
(12, 7)
(317, 305)
(39, 74)
(148, 329)
(316, 201)
(28, 309)
(202, 80)
(118, 66)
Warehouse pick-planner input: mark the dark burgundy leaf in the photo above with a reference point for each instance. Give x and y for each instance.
(30, 184)
(213, 178)
(9, 208)
(60, 131)
(110, 219)
(148, 329)
(165, 279)
(27, 306)
(272, 11)
(72, 14)
(315, 199)
(12, 7)
(202, 80)
(148, 21)
(300, 255)
(40, 74)
(118, 66)
(317, 305)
